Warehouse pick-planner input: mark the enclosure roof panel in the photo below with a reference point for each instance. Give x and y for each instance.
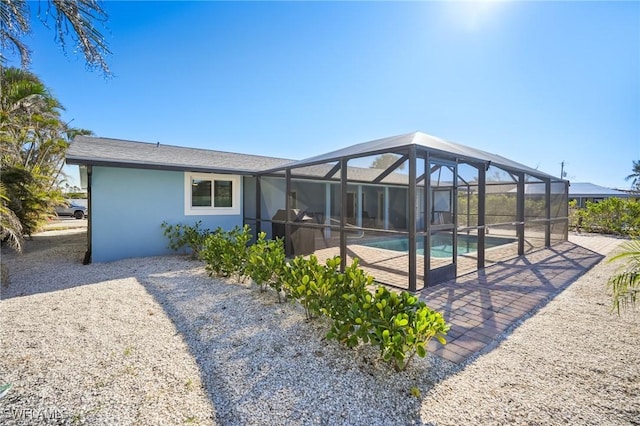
(360, 174)
(423, 142)
(123, 153)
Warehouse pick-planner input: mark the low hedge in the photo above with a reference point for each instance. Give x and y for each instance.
(399, 324)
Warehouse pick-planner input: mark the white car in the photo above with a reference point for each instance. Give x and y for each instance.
(71, 209)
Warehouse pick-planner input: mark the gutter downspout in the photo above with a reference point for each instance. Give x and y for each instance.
(87, 255)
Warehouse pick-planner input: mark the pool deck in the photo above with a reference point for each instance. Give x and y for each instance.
(482, 305)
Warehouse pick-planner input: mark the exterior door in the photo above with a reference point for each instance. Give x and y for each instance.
(442, 220)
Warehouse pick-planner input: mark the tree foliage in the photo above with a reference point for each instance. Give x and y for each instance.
(33, 142)
(72, 19)
(384, 161)
(634, 177)
(500, 208)
(610, 216)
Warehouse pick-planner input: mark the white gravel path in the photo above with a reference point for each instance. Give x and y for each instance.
(155, 341)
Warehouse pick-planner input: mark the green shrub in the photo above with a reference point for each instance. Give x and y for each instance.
(322, 289)
(76, 195)
(610, 216)
(311, 283)
(402, 326)
(399, 324)
(225, 252)
(183, 237)
(266, 263)
(212, 251)
(349, 306)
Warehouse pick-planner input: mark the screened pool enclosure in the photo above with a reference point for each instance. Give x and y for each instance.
(416, 210)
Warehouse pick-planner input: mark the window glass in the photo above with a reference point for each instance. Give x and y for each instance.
(223, 192)
(200, 193)
(212, 194)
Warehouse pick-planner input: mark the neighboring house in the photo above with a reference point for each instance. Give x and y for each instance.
(585, 191)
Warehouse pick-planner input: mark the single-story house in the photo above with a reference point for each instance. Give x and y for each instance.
(434, 209)
(585, 191)
(134, 186)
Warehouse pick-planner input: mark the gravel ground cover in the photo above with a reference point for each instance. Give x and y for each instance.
(156, 341)
(573, 362)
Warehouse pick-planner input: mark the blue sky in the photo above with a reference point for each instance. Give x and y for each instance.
(537, 82)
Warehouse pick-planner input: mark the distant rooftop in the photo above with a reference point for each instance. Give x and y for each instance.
(587, 189)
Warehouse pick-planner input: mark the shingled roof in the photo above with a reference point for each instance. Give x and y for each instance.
(123, 153)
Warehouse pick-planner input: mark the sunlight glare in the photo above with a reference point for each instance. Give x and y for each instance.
(473, 15)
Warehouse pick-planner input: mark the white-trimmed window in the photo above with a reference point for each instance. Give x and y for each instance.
(209, 194)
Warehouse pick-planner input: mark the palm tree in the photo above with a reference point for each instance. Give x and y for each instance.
(33, 142)
(77, 15)
(10, 226)
(25, 104)
(29, 119)
(625, 285)
(635, 175)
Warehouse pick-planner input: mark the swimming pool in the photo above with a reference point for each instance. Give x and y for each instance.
(440, 244)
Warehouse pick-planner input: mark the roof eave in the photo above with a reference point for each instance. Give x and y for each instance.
(156, 166)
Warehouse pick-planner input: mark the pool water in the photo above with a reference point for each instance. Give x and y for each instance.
(441, 245)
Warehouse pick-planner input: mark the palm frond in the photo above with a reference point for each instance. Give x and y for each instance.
(81, 15)
(10, 226)
(76, 19)
(629, 249)
(625, 284)
(625, 288)
(13, 26)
